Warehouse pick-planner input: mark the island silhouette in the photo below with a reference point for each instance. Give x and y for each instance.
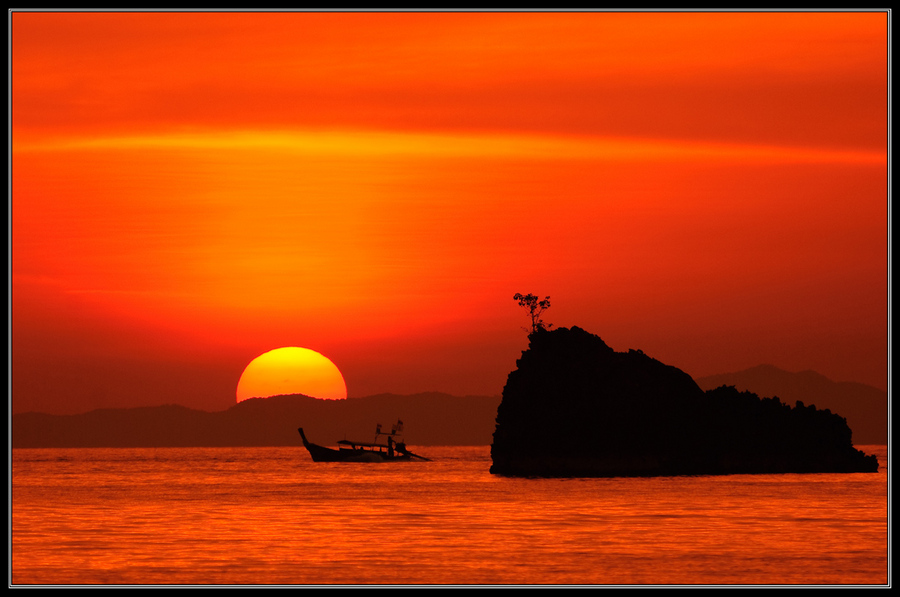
(575, 407)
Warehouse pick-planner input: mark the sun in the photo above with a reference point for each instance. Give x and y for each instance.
(291, 370)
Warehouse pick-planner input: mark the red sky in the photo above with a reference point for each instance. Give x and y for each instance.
(190, 190)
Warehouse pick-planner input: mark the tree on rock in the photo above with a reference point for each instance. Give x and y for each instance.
(535, 308)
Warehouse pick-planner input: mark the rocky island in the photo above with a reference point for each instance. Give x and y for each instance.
(574, 407)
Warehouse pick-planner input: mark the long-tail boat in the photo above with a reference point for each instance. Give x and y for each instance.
(353, 451)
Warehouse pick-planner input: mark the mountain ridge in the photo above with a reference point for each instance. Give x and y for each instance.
(455, 420)
(431, 418)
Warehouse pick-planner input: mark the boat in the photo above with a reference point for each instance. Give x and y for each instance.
(352, 451)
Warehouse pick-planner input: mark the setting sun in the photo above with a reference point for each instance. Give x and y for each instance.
(291, 370)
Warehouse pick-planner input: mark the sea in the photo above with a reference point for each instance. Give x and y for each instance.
(270, 516)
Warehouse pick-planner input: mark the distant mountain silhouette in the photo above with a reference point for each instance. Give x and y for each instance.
(429, 419)
(574, 407)
(865, 407)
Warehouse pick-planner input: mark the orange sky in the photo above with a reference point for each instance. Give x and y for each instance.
(191, 190)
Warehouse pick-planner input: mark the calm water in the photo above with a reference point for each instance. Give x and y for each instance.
(242, 516)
